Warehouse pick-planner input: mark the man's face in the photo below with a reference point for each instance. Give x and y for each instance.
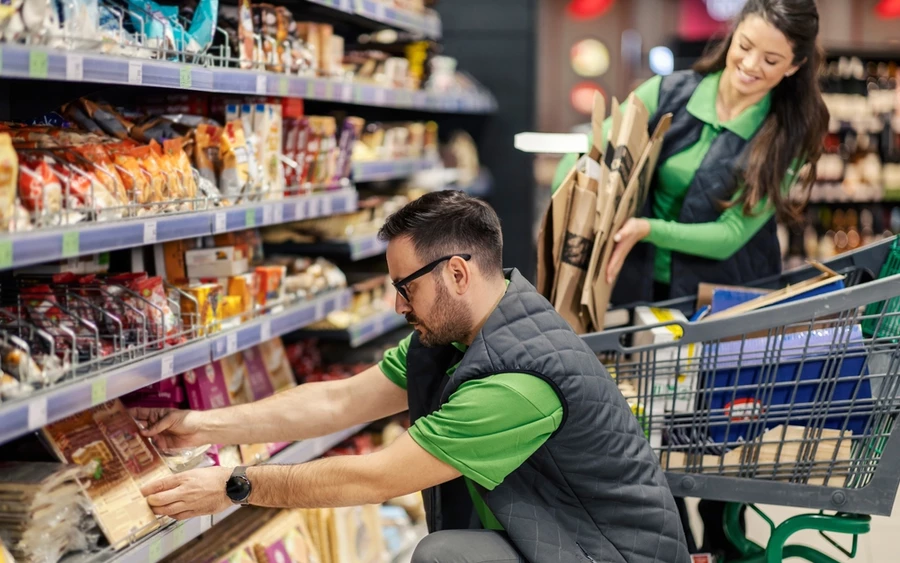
(439, 315)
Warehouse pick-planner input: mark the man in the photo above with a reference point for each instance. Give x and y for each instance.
(521, 442)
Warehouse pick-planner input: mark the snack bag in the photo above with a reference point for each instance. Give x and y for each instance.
(206, 151)
(235, 175)
(39, 189)
(137, 185)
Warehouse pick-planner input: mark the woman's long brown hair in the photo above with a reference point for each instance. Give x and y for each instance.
(798, 120)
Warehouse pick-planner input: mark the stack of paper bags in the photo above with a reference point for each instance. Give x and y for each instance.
(603, 190)
(42, 508)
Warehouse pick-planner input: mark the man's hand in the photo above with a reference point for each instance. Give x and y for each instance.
(170, 429)
(189, 494)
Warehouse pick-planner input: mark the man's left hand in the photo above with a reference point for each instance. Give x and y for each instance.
(189, 494)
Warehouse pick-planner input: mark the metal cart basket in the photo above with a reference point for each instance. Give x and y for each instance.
(792, 405)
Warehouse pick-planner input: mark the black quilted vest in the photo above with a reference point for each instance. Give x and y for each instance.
(594, 491)
(714, 181)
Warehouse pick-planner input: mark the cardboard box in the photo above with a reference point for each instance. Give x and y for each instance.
(221, 262)
(670, 371)
(259, 383)
(277, 365)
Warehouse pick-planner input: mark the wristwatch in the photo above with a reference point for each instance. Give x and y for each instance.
(238, 486)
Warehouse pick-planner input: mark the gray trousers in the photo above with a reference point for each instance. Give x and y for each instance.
(466, 546)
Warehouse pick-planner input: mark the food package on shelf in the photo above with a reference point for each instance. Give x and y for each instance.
(219, 384)
(44, 509)
(125, 460)
(278, 367)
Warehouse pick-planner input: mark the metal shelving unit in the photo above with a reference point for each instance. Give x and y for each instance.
(43, 245)
(360, 333)
(427, 24)
(30, 413)
(358, 248)
(42, 63)
(380, 170)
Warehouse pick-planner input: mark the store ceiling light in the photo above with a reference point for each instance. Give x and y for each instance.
(888, 9)
(662, 61)
(582, 96)
(589, 58)
(588, 9)
(724, 10)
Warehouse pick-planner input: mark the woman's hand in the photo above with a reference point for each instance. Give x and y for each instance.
(631, 233)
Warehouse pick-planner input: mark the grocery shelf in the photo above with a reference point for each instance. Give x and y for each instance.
(359, 333)
(43, 63)
(171, 538)
(380, 170)
(357, 248)
(427, 24)
(18, 417)
(44, 245)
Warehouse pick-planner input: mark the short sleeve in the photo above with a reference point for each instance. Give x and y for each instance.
(393, 363)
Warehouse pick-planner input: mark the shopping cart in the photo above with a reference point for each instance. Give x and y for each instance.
(791, 405)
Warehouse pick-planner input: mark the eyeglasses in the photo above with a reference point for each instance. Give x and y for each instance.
(400, 286)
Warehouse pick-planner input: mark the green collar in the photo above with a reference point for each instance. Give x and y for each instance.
(702, 105)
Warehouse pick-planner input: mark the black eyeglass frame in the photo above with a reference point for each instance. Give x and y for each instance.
(400, 285)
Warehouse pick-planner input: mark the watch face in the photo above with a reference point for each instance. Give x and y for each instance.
(237, 488)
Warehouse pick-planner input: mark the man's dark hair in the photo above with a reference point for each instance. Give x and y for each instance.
(449, 222)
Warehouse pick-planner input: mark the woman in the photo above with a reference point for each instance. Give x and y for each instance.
(744, 119)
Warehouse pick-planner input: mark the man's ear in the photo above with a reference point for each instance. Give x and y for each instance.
(461, 274)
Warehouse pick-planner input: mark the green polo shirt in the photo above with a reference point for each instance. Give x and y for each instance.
(717, 240)
(487, 428)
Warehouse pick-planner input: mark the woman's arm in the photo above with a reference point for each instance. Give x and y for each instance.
(647, 93)
(719, 239)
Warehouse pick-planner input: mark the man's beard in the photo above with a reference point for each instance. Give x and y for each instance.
(451, 321)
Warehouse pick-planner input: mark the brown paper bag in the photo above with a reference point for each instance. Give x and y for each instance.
(602, 290)
(575, 257)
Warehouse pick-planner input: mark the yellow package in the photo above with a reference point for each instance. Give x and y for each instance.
(9, 168)
(200, 309)
(235, 175)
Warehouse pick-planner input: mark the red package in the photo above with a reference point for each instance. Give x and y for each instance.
(164, 324)
(39, 189)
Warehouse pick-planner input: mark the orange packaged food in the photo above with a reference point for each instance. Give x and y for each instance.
(200, 310)
(245, 287)
(206, 151)
(271, 284)
(105, 170)
(174, 149)
(137, 185)
(39, 189)
(156, 182)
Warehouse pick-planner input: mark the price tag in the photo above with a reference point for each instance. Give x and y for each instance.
(37, 414)
(380, 96)
(150, 232)
(231, 344)
(268, 212)
(154, 554)
(379, 11)
(186, 77)
(168, 366)
(221, 222)
(299, 211)
(178, 534)
(261, 84)
(75, 67)
(1, 60)
(357, 93)
(326, 206)
(38, 64)
(135, 72)
(347, 93)
(278, 214)
(265, 331)
(71, 243)
(98, 392)
(283, 86)
(250, 218)
(6, 253)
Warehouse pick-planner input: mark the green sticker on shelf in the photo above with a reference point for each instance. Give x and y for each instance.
(283, 86)
(155, 552)
(357, 92)
(71, 244)
(38, 64)
(178, 534)
(186, 77)
(98, 392)
(250, 218)
(329, 90)
(310, 89)
(6, 253)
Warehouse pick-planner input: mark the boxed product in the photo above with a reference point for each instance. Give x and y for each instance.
(220, 262)
(218, 384)
(200, 307)
(259, 383)
(277, 365)
(671, 370)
